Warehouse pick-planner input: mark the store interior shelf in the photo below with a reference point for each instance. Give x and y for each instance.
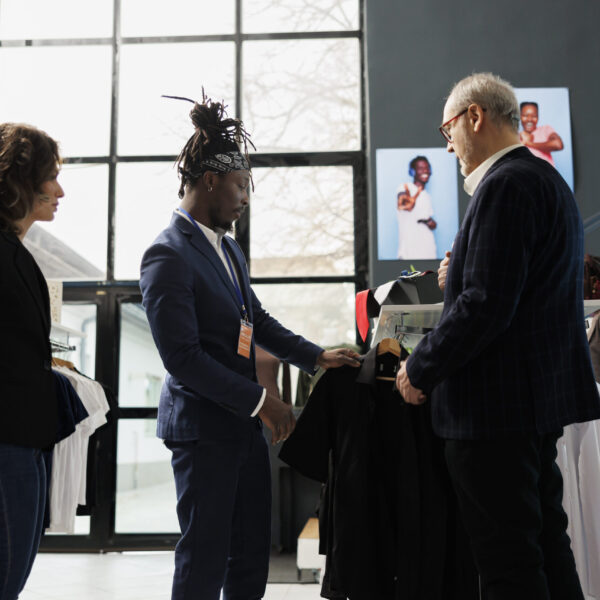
(57, 328)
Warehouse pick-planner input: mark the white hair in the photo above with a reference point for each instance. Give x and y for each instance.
(491, 92)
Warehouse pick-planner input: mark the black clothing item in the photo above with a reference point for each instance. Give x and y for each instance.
(510, 496)
(71, 410)
(101, 436)
(387, 522)
(28, 400)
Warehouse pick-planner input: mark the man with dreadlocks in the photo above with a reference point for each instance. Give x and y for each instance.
(205, 320)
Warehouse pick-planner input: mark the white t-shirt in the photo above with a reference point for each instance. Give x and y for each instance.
(69, 458)
(578, 458)
(416, 240)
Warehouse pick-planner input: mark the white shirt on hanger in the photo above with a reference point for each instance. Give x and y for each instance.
(69, 459)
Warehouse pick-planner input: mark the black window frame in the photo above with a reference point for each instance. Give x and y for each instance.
(109, 294)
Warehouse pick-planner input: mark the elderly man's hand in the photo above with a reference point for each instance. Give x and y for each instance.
(338, 357)
(411, 394)
(443, 271)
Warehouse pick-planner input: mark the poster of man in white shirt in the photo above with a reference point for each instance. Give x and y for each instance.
(417, 214)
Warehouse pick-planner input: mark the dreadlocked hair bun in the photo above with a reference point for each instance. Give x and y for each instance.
(214, 133)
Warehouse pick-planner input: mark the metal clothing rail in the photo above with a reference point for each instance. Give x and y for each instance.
(56, 346)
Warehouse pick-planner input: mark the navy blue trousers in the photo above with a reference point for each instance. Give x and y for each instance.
(224, 510)
(22, 505)
(510, 497)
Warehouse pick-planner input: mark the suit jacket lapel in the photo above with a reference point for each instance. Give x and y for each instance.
(200, 243)
(241, 272)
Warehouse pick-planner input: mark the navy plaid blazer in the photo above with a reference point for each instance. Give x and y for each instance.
(510, 354)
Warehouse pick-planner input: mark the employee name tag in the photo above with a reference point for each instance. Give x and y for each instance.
(245, 341)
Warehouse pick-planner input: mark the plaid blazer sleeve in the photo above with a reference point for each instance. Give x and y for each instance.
(495, 245)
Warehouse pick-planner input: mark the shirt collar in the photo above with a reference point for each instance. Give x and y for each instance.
(473, 179)
(214, 236)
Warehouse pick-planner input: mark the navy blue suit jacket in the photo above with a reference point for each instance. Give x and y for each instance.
(510, 354)
(194, 314)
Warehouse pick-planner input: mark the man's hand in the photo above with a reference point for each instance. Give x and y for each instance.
(430, 222)
(411, 394)
(405, 201)
(338, 357)
(443, 271)
(278, 417)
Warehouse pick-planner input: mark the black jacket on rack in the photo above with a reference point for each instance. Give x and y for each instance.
(94, 465)
(387, 522)
(27, 398)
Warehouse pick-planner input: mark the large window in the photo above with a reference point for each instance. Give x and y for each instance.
(92, 75)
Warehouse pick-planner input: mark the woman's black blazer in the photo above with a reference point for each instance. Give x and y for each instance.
(28, 413)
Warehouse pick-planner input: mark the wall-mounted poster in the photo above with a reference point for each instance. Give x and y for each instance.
(417, 203)
(545, 126)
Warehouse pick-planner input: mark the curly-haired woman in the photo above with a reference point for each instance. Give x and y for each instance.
(29, 192)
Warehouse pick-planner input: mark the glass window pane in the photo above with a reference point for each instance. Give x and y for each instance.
(141, 372)
(40, 19)
(302, 95)
(267, 16)
(321, 312)
(73, 246)
(146, 496)
(312, 231)
(149, 124)
(176, 17)
(63, 90)
(146, 198)
(82, 317)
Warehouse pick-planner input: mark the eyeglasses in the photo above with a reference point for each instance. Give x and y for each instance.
(445, 133)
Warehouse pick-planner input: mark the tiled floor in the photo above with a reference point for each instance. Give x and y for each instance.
(126, 576)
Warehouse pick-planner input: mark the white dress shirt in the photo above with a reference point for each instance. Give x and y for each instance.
(215, 238)
(473, 179)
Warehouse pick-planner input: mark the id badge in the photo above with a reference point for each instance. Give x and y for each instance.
(245, 341)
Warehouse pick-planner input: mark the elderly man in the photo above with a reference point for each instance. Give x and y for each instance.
(508, 365)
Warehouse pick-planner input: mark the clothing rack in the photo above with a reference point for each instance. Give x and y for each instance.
(56, 346)
(60, 338)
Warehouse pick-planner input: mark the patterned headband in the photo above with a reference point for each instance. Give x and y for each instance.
(225, 162)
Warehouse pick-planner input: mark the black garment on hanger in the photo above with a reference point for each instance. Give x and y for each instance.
(99, 437)
(71, 409)
(387, 522)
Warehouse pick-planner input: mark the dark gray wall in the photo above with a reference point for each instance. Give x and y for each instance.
(416, 50)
